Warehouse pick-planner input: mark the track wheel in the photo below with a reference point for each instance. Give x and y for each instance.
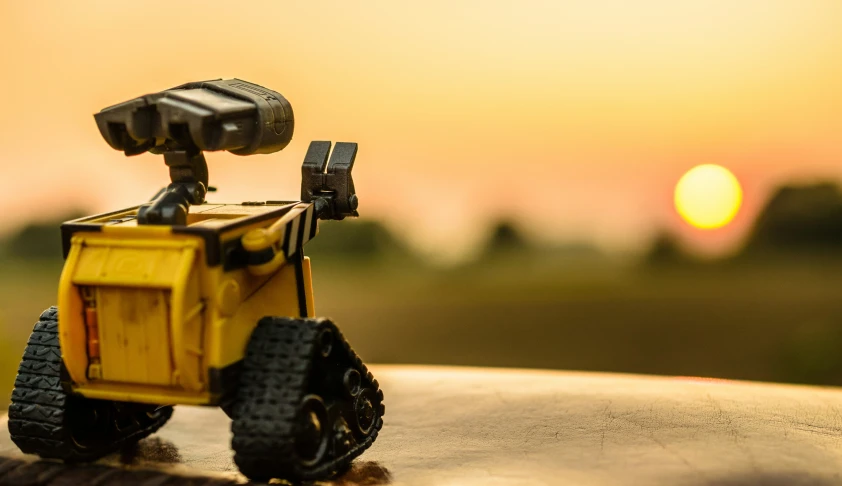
(46, 420)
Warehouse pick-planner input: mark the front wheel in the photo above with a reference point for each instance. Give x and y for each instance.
(46, 420)
(306, 405)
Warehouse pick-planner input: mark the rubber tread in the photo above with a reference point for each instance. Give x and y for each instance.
(38, 411)
(273, 383)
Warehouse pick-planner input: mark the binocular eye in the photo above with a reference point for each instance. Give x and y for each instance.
(233, 115)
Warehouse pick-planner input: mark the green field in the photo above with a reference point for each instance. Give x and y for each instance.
(761, 324)
(778, 323)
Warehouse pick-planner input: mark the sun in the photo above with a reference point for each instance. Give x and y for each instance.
(708, 196)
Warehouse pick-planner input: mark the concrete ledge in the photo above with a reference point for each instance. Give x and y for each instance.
(492, 426)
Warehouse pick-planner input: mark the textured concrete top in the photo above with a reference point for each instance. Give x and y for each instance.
(495, 427)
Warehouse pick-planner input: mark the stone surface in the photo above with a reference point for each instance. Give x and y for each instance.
(492, 426)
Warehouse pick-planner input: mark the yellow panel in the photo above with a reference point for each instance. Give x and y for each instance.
(201, 208)
(187, 325)
(308, 288)
(135, 265)
(240, 210)
(71, 325)
(157, 395)
(130, 223)
(212, 222)
(119, 235)
(277, 297)
(196, 218)
(134, 335)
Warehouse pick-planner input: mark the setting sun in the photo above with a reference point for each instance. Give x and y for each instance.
(708, 196)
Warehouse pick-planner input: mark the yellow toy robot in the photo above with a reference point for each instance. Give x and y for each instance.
(179, 301)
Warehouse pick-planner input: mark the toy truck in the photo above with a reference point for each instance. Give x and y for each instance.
(180, 301)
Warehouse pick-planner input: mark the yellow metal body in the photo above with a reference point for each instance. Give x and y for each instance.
(146, 316)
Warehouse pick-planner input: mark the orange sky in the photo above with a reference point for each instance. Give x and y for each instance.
(577, 118)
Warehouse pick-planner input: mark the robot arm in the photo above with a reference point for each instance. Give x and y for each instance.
(328, 184)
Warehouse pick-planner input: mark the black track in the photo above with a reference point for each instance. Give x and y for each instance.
(297, 415)
(46, 420)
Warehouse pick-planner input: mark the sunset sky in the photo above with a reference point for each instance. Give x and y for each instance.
(574, 118)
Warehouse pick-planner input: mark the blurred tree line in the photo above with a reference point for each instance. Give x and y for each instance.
(37, 241)
(801, 220)
(798, 222)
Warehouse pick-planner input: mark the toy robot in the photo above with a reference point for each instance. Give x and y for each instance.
(179, 301)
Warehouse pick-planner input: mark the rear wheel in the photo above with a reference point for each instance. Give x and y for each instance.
(46, 420)
(306, 405)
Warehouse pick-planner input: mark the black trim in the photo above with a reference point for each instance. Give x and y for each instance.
(213, 249)
(314, 224)
(302, 222)
(298, 261)
(285, 244)
(69, 229)
(260, 257)
(234, 256)
(224, 381)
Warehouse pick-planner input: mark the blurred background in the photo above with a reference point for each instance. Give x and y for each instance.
(517, 170)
